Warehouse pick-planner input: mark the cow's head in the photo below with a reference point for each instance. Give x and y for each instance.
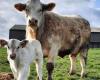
(34, 9)
(13, 47)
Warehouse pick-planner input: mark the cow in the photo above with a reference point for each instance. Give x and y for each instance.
(59, 35)
(21, 54)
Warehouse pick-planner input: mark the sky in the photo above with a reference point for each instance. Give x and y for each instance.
(97, 4)
(9, 16)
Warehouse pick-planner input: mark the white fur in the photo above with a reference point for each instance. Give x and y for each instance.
(24, 57)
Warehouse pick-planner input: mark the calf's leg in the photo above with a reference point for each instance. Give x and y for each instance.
(39, 64)
(23, 73)
(14, 71)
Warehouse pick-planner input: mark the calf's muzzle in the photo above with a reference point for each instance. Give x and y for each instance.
(13, 56)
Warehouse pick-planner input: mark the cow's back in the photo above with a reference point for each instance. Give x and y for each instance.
(68, 29)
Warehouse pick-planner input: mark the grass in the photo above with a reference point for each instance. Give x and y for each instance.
(61, 67)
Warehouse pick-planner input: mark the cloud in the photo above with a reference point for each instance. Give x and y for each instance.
(72, 3)
(84, 8)
(9, 16)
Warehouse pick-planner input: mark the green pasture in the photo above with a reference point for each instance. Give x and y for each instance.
(61, 67)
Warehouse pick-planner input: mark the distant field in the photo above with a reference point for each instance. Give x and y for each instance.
(61, 67)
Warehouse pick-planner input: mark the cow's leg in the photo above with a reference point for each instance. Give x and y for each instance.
(50, 64)
(50, 67)
(73, 64)
(83, 59)
(39, 64)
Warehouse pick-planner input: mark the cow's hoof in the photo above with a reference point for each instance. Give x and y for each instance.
(83, 75)
(49, 78)
(71, 73)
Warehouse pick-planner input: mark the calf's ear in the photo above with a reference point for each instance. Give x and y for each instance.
(48, 7)
(23, 43)
(3, 43)
(20, 6)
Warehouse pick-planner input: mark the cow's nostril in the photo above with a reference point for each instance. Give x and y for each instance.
(36, 21)
(29, 21)
(13, 56)
(33, 21)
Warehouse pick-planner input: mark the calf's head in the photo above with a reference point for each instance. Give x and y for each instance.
(34, 9)
(13, 46)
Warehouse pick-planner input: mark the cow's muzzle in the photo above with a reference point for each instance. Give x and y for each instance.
(33, 22)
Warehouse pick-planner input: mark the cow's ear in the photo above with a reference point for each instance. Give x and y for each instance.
(23, 43)
(3, 43)
(20, 6)
(48, 7)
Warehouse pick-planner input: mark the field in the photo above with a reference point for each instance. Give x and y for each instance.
(61, 67)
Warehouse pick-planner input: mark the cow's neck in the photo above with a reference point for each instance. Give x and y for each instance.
(41, 27)
(30, 33)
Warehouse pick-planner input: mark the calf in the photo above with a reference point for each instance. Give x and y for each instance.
(21, 54)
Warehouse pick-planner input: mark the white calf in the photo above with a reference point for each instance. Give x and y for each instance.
(21, 54)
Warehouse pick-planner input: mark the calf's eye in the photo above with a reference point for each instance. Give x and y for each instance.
(40, 10)
(18, 47)
(8, 47)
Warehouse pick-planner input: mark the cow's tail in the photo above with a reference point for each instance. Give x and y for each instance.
(87, 48)
(84, 53)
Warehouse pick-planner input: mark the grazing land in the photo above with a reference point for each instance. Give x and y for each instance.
(61, 67)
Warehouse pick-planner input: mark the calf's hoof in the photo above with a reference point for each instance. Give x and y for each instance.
(38, 78)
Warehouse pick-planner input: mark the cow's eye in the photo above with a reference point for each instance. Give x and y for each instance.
(27, 10)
